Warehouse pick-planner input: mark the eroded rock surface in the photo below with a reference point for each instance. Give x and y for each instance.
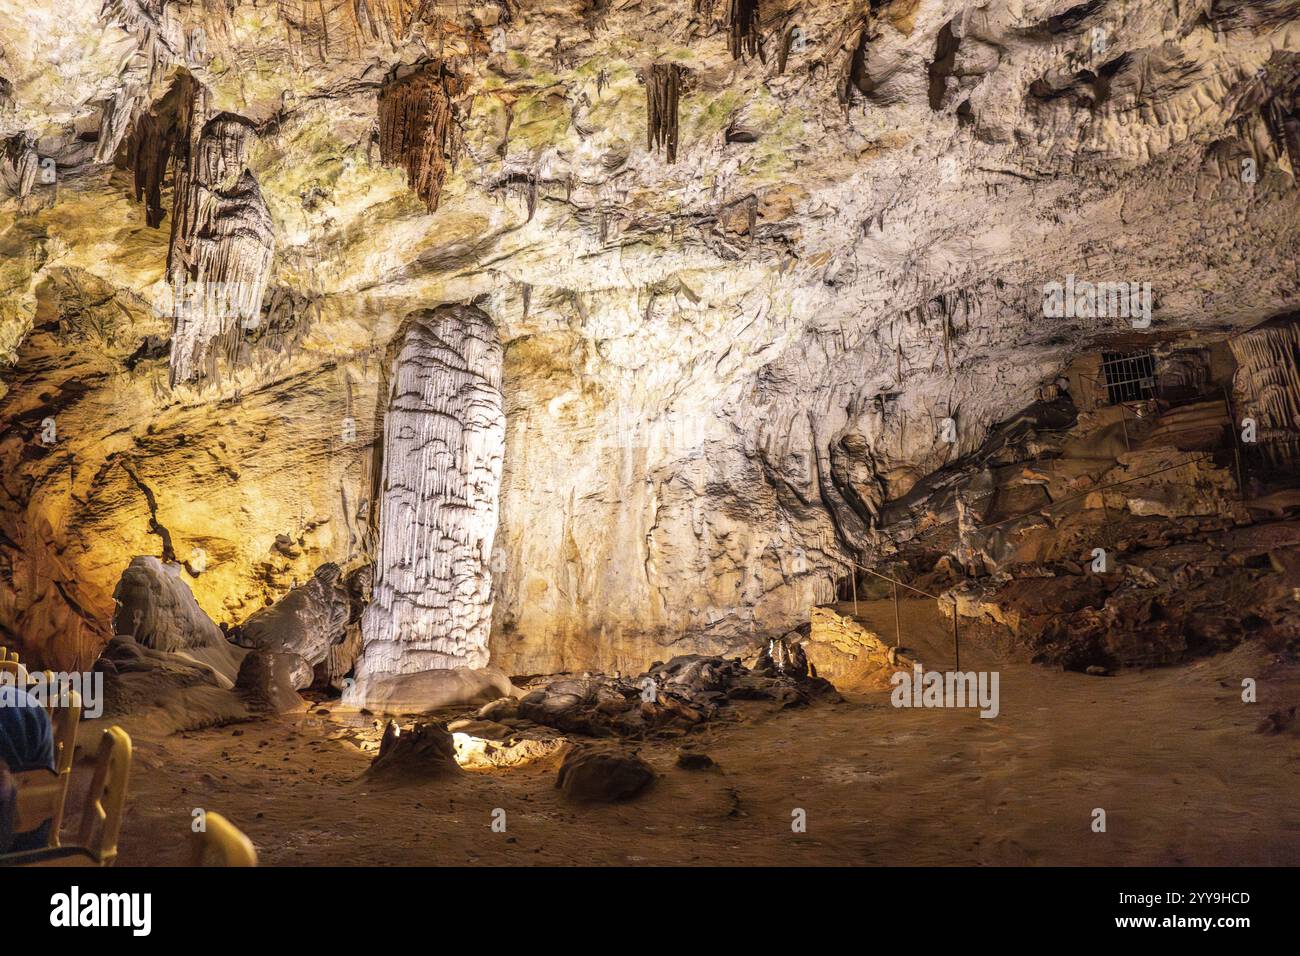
(157, 611)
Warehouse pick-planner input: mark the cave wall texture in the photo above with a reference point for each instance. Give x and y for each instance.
(740, 268)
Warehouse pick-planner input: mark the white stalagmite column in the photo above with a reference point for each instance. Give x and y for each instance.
(444, 435)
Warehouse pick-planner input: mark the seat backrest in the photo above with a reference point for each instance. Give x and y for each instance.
(18, 673)
(65, 715)
(101, 818)
(40, 798)
(221, 843)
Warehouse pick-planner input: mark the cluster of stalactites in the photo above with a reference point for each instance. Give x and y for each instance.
(743, 22)
(160, 142)
(1267, 386)
(663, 87)
(222, 245)
(418, 127)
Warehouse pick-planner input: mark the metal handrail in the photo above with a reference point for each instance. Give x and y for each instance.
(898, 626)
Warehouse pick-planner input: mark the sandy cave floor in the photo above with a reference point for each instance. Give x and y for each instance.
(1173, 756)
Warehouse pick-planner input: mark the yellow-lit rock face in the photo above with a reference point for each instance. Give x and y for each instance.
(712, 370)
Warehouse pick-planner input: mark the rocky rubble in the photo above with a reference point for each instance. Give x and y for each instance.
(669, 699)
(1173, 591)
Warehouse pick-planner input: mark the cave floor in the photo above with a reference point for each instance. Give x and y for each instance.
(1173, 756)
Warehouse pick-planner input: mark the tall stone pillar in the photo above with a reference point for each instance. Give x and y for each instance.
(444, 435)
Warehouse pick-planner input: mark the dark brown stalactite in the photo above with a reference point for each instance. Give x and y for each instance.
(418, 126)
(594, 13)
(160, 142)
(853, 75)
(662, 88)
(744, 36)
(783, 51)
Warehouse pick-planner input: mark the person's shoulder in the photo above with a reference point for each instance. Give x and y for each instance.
(12, 696)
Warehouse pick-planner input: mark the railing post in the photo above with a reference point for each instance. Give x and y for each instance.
(853, 580)
(898, 627)
(956, 641)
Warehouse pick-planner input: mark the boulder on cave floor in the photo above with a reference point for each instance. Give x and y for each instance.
(156, 608)
(270, 680)
(424, 751)
(591, 775)
(695, 760)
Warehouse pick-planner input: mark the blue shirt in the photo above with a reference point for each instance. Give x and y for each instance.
(26, 734)
(26, 742)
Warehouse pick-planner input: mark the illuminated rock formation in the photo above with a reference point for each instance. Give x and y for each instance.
(157, 610)
(727, 375)
(222, 243)
(1268, 389)
(444, 435)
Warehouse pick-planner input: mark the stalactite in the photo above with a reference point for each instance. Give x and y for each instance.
(444, 437)
(594, 13)
(160, 141)
(222, 243)
(743, 23)
(418, 125)
(21, 163)
(853, 75)
(783, 51)
(115, 120)
(1267, 388)
(663, 87)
